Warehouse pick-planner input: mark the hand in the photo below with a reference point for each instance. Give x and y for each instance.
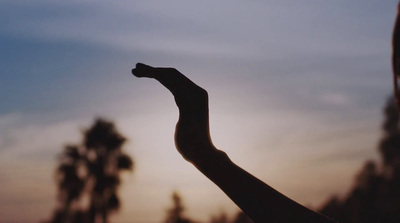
(192, 139)
(192, 135)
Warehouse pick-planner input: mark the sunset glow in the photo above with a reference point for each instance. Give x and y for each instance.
(296, 95)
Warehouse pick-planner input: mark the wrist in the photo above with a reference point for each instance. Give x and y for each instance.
(210, 160)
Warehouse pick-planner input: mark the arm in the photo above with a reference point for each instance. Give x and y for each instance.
(192, 139)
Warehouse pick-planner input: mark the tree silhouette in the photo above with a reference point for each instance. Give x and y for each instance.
(88, 175)
(242, 218)
(175, 213)
(389, 147)
(375, 197)
(220, 218)
(239, 217)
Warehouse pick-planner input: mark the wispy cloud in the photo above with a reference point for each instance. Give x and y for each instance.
(286, 75)
(335, 99)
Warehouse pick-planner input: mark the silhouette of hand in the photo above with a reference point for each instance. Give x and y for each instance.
(192, 137)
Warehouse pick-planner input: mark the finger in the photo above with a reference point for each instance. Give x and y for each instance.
(171, 78)
(143, 70)
(188, 96)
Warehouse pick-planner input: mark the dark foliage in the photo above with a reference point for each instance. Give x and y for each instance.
(175, 213)
(240, 217)
(88, 176)
(375, 197)
(221, 218)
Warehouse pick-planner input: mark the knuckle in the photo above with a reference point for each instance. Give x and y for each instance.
(172, 70)
(202, 93)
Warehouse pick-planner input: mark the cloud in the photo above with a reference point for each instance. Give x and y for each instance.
(23, 138)
(28, 150)
(227, 28)
(289, 70)
(335, 99)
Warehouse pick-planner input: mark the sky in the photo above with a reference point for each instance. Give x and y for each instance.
(296, 94)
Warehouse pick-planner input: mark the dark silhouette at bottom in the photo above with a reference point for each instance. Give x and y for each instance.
(375, 196)
(88, 176)
(192, 139)
(175, 213)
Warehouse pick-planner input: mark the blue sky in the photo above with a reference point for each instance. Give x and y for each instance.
(296, 92)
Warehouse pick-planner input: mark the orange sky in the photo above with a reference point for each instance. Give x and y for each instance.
(308, 163)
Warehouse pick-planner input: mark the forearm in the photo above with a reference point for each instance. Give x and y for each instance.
(192, 137)
(258, 200)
